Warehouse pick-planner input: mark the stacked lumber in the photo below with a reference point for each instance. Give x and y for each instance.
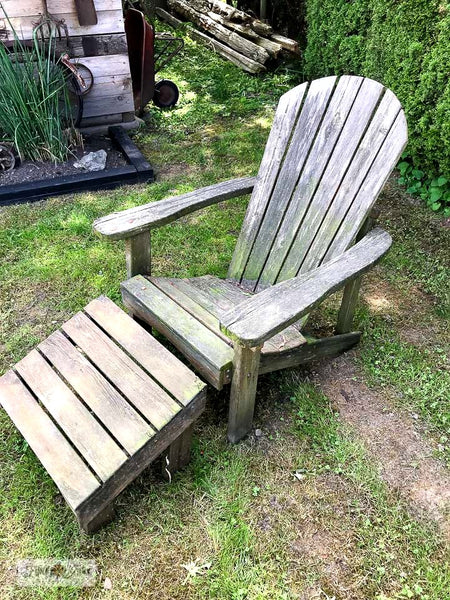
(237, 36)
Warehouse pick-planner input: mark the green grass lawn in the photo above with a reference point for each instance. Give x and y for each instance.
(301, 512)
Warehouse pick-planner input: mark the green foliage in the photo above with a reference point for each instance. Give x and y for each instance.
(403, 44)
(34, 102)
(435, 192)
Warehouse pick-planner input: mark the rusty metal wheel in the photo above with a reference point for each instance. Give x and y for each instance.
(7, 159)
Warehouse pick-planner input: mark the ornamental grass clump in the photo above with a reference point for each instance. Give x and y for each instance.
(35, 107)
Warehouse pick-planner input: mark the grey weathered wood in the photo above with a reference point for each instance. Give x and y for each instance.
(312, 350)
(46, 399)
(90, 524)
(219, 296)
(316, 133)
(148, 352)
(84, 431)
(351, 290)
(206, 351)
(234, 14)
(138, 255)
(243, 391)
(349, 165)
(101, 397)
(332, 152)
(246, 31)
(60, 460)
(224, 35)
(255, 238)
(273, 309)
(127, 376)
(93, 45)
(103, 495)
(286, 43)
(241, 61)
(142, 218)
(178, 454)
(368, 192)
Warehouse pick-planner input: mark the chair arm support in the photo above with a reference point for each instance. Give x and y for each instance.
(129, 223)
(260, 317)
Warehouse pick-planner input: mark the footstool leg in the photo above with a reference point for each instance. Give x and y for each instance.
(102, 518)
(178, 454)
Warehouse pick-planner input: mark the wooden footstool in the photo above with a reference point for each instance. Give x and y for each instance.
(97, 402)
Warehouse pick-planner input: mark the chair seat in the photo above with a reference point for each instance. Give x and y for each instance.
(188, 311)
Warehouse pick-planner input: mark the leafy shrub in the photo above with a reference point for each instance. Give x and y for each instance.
(404, 44)
(34, 102)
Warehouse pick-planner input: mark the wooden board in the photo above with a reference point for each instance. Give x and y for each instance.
(270, 311)
(60, 460)
(206, 351)
(120, 419)
(77, 413)
(147, 351)
(109, 21)
(140, 390)
(87, 435)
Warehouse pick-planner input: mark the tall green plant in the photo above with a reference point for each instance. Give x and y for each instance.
(34, 101)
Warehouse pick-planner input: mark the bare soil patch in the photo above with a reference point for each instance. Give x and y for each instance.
(405, 457)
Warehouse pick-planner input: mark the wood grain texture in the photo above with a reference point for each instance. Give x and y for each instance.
(243, 391)
(205, 350)
(208, 298)
(82, 429)
(138, 257)
(102, 497)
(109, 21)
(285, 119)
(124, 423)
(147, 351)
(140, 390)
(340, 132)
(57, 456)
(313, 350)
(319, 179)
(297, 152)
(135, 220)
(273, 309)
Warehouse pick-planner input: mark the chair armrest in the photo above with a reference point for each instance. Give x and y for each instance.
(260, 317)
(131, 222)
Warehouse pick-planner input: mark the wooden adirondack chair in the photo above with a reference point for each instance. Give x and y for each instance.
(332, 146)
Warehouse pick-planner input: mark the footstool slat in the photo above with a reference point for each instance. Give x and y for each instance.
(65, 467)
(143, 347)
(155, 404)
(101, 397)
(87, 435)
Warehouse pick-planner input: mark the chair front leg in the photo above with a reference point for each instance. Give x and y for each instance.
(243, 391)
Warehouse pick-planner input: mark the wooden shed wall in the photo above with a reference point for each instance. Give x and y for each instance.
(101, 47)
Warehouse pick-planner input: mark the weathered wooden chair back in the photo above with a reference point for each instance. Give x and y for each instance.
(332, 146)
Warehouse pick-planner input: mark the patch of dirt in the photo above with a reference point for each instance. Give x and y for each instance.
(34, 170)
(405, 458)
(173, 170)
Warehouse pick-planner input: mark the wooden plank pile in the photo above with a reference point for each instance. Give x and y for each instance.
(237, 36)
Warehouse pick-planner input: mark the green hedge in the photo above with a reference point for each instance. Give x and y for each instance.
(406, 45)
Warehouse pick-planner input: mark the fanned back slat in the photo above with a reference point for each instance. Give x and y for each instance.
(332, 146)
